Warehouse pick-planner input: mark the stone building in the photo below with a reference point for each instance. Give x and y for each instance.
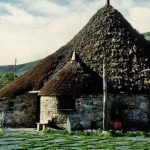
(128, 61)
(72, 92)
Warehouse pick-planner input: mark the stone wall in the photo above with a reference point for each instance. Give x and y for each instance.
(135, 109)
(87, 109)
(90, 109)
(49, 110)
(19, 111)
(48, 107)
(130, 108)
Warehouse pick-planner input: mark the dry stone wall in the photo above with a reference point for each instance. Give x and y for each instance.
(19, 111)
(49, 111)
(48, 108)
(90, 109)
(136, 108)
(129, 108)
(87, 109)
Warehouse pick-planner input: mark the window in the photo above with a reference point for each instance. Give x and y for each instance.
(66, 102)
(11, 105)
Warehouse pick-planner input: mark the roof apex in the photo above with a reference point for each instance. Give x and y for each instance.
(108, 2)
(73, 56)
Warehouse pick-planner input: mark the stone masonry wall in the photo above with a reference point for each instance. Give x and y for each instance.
(131, 108)
(48, 107)
(136, 107)
(19, 111)
(48, 110)
(89, 108)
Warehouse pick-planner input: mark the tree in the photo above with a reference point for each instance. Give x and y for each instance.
(6, 78)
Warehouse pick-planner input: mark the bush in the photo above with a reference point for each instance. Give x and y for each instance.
(97, 133)
(78, 133)
(53, 131)
(135, 133)
(6, 78)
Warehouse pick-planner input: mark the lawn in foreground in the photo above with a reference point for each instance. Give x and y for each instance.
(60, 140)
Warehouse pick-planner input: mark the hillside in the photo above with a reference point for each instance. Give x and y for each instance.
(127, 53)
(20, 69)
(147, 35)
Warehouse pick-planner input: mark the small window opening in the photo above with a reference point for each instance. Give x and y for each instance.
(66, 103)
(11, 105)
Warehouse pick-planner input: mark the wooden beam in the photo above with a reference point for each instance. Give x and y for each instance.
(33, 92)
(104, 91)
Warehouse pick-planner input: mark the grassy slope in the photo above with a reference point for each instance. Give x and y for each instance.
(21, 69)
(147, 35)
(26, 67)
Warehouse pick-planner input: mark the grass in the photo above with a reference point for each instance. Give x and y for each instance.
(1, 135)
(83, 140)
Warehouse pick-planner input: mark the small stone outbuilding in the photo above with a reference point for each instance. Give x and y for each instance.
(72, 92)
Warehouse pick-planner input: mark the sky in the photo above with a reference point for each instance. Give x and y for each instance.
(33, 29)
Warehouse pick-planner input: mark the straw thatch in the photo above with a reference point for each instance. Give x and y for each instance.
(74, 79)
(128, 55)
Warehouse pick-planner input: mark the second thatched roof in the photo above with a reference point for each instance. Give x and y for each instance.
(75, 79)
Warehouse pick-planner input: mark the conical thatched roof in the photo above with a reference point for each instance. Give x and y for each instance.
(128, 55)
(75, 79)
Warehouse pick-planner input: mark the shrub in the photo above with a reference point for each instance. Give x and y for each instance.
(135, 133)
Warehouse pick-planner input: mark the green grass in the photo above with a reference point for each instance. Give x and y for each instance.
(84, 140)
(1, 135)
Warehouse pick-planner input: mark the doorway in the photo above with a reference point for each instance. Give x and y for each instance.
(38, 109)
(118, 113)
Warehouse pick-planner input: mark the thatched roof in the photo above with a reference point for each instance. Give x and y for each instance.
(128, 55)
(75, 79)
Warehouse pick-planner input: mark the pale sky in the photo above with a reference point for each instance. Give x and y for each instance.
(33, 29)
